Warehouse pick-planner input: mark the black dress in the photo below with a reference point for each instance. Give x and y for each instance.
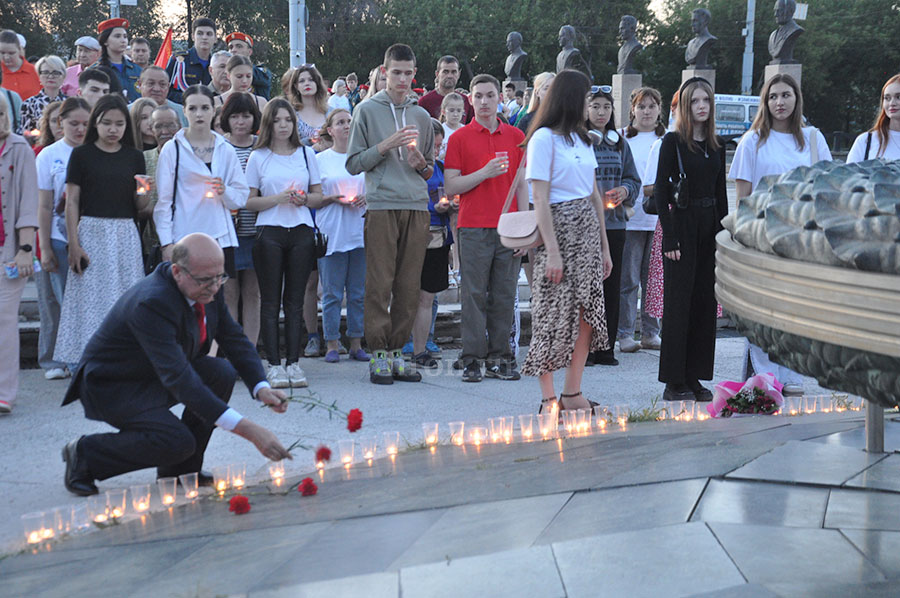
(689, 302)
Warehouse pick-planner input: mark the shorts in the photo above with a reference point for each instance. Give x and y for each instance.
(243, 253)
(436, 270)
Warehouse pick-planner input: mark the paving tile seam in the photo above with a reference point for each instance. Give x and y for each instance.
(725, 550)
(822, 485)
(863, 554)
(699, 498)
(562, 580)
(883, 457)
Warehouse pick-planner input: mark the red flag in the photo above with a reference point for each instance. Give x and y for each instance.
(165, 51)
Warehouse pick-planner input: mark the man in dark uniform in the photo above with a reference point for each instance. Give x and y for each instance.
(192, 68)
(149, 354)
(241, 44)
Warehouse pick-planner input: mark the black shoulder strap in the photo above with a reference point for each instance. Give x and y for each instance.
(868, 144)
(680, 164)
(175, 182)
(12, 109)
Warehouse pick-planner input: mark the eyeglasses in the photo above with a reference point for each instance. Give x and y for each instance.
(162, 126)
(603, 88)
(51, 74)
(207, 281)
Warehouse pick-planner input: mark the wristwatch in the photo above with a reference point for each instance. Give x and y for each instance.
(26, 248)
(423, 170)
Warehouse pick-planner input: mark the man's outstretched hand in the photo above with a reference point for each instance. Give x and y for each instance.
(275, 399)
(265, 441)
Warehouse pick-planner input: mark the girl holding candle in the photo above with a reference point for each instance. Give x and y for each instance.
(18, 220)
(568, 318)
(51, 72)
(689, 314)
(776, 143)
(102, 204)
(619, 183)
(284, 183)
(240, 119)
(343, 269)
(240, 73)
(883, 139)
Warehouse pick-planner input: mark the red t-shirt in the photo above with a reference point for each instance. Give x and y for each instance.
(468, 150)
(431, 102)
(24, 81)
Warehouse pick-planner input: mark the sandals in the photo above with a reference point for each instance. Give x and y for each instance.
(549, 403)
(575, 394)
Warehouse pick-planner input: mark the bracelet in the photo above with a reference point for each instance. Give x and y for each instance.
(424, 170)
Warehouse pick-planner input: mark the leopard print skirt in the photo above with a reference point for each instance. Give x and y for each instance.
(555, 307)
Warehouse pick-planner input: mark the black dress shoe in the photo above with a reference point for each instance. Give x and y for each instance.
(677, 392)
(77, 480)
(603, 358)
(205, 479)
(701, 393)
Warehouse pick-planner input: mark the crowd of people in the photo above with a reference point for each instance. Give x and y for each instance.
(382, 195)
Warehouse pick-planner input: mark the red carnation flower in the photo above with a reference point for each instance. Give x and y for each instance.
(354, 420)
(239, 505)
(307, 487)
(323, 454)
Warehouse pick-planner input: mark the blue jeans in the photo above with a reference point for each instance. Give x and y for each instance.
(339, 271)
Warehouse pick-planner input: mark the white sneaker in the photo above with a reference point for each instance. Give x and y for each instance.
(277, 377)
(653, 343)
(56, 374)
(296, 376)
(627, 344)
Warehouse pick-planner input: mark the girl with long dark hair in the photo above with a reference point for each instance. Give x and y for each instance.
(113, 45)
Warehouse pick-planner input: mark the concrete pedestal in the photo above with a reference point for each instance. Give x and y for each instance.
(708, 74)
(794, 70)
(622, 86)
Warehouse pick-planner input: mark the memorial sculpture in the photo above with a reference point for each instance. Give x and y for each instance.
(516, 56)
(783, 39)
(809, 269)
(570, 57)
(697, 53)
(630, 46)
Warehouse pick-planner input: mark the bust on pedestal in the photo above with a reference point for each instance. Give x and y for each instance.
(570, 57)
(782, 41)
(515, 60)
(627, 78)
(697, 53)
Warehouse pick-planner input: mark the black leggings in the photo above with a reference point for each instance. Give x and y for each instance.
(283, 258)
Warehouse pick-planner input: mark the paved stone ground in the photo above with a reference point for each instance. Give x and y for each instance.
(747, 507)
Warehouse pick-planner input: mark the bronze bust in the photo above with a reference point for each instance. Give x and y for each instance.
(516, 56)
(782, 40)
(570, 57)
(630, 46)
(697, 52)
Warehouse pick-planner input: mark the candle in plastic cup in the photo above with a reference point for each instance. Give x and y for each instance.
(430, 433)
(116, 499)
(457, 431)
(496, 424)
(508, 425)
(345, 447)
(238, 476)
(190, 484)
(167, 488)
(368, 446)
(140, 497)
(505, 157)
(526, 426)
(33, 524)
(143, 183)
(221, 478)
(456, 201)
(391, 442)
(98, 508)
(478, 435)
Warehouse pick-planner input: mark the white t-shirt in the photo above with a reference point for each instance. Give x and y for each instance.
(272, 173)
(858, 151)
(640, 146)
(341, 222)
(572, 175)
(51, 176)
(447, 133)
(649, 177)
(777, 155)
(336, 101)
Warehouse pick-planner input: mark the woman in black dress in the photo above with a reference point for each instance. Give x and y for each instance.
(689, 248)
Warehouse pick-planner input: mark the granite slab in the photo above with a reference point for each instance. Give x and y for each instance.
(808, 463)
(373, 585)
(882, 548)
(884, 475)
(735, 501)
(860, 509)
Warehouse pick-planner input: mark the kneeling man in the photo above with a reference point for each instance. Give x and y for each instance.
(151, 353)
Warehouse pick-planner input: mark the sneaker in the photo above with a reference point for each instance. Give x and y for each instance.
(401, 372)
(297, 376)
(433, 348)
(425, 360)
(5, 408)
(380, 369)
(313, 347)
(342, 350)
(627, 344)
(278, 377)
(360, 355)
(332, 356)
(56, 374)
(407, 349)
(472, 373)
(458, 364)
(501, 371)
(653, 343)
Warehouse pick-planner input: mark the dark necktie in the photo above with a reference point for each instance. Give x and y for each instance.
(200, 311)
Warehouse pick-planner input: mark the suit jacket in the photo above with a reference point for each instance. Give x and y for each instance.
(140, 357)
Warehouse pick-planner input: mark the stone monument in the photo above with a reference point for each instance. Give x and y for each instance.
(697, 53)
(570, 57)
(514, 61)
(782, 41)
(627, 78)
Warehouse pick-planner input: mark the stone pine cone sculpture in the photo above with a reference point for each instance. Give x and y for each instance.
(830, 213)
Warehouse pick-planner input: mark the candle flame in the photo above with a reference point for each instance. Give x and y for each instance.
(431, 439)
(47, 532)
(34, 537)
(192, 494)
(238, 483)
(391, 450)
(221, 485)
(168, 499)
(116, 512)
(142, 506)
(100, 518)
(320, 465)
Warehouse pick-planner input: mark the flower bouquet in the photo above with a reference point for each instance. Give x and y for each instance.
(759, 395)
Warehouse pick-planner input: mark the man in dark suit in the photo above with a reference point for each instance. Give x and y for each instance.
(151, 353)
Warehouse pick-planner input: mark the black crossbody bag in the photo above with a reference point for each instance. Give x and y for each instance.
(320, 238)
(679, 194)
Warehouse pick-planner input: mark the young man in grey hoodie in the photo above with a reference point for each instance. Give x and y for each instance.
(392, 141)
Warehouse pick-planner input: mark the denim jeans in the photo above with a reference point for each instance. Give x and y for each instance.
(339, 271)
(283, 259)
(635, 269)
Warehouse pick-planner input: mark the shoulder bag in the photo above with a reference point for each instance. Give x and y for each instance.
(678, 193)
(320, 239)
(519, 230)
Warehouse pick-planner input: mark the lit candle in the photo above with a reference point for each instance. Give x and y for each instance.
(168, 499)
(346, 459)
(35, 132)
(412, 144)
(141, 506)
(116, 512)
(100, 518)
(392, 450)
(320, 465)
(456, 201)
(192, 494)
(431, 440)
(368, 454)
(47, 532)
(221, 485)
(34, 537)
(278, 481)
(238, 482)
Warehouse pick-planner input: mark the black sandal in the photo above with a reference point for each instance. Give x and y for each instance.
(550, 403)
(575, 394)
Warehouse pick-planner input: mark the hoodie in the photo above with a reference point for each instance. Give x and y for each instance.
(391, 183)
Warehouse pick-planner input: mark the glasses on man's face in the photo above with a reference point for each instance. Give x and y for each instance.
(164, 126)
(208, 281)
(603, 88)
(54, 74)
